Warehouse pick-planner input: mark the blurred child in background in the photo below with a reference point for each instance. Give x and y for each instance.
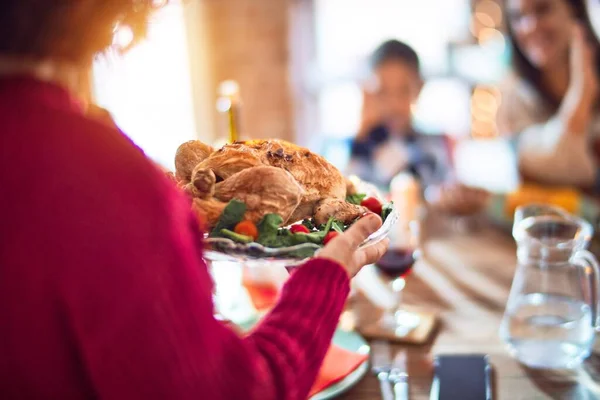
(387, 142)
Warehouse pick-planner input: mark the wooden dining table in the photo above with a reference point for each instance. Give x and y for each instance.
(465, 278)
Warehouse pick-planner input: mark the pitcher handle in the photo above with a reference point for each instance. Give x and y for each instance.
(588, 261)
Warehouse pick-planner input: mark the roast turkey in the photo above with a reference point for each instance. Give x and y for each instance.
(270, 176)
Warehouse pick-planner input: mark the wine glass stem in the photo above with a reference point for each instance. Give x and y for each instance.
(397, 287)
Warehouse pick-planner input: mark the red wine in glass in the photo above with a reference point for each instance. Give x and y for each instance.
(397, 263)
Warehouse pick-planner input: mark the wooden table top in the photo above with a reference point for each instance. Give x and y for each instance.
(466, 278)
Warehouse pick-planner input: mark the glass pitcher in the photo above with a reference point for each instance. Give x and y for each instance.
(552, 311)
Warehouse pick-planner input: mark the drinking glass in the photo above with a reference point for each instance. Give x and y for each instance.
(395, 265)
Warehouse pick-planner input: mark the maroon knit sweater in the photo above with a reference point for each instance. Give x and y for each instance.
(103, 290)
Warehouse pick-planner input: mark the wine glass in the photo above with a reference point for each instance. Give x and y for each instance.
(394, 266)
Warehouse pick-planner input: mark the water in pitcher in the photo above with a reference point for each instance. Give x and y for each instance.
(552, 311)
(548, 331)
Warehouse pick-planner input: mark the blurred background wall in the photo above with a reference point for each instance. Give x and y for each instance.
(299, 65)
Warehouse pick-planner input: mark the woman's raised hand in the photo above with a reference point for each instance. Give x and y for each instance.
(583, 86)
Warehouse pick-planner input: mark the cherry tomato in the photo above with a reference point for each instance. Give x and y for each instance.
(330, 236)
(372, 204)
(247, 228)
(299, 228)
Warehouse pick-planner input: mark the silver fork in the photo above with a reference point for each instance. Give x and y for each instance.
(381, 365)
(398, 375)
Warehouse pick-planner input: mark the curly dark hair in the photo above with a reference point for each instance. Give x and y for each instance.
(71, 30)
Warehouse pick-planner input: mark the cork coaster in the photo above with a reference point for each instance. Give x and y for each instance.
(419, 335)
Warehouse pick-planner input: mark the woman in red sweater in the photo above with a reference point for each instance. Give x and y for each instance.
(103, 291)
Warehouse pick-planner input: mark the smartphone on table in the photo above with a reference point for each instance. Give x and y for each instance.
(462, 377)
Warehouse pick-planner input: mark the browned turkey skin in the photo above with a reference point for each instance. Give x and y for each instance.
(270, 176)
(188, 156)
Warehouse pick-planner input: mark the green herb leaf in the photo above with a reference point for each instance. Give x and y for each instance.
(308, 222)
(356, 198)
(387, 210)
(268, 229)
(338, 226)
(279, 241)
(300, 238)
(231, 216)
(284, 232)
(236, 237)
(317, 237)
(328, 225)
(293, 239)
(287, 239)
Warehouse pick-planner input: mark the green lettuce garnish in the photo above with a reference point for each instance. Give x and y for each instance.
(232, 215)
(356, 198)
